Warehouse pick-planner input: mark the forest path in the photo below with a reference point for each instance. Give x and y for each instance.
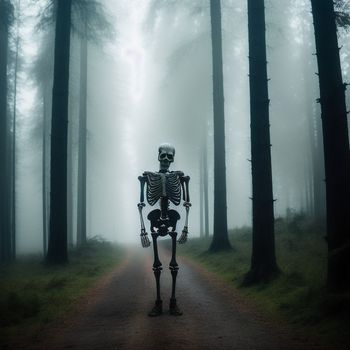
(114, 313)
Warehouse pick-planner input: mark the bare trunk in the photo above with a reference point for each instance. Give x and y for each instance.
(263, 262)
(220, 234)
(205, 187)
(57, 247)
(70, 183)
(336, 144)
(5, 209)
(81, 216)
(319, 175)
(201, 197)
(43, 168)
(13, 187)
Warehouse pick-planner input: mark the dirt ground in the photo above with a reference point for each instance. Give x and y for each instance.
(113, 315)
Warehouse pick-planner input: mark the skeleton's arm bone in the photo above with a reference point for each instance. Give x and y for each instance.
(187, 205)
(144, 238)
(186, 180)
(143, 180)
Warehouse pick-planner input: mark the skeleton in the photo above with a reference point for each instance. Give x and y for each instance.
(164, 187)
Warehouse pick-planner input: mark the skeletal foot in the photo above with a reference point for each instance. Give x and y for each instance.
(174, 309)
(157, 309)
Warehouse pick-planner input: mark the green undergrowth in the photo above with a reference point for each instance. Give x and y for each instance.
(33, 293)
(298, 295)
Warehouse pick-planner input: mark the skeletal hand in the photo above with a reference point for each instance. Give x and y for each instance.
(145, 240)
(183, 237)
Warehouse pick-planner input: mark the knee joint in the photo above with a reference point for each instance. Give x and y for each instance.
(173, 266)
(157, 267)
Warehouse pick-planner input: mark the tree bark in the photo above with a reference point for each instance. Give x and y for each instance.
(70, 171)
(205, 186)
(13, 146)
(5, 208)
(335, 144)
(220, 234)
(263, 261)
(201, 197)
(44, 201)
(315, 138)
(319, 174)
(82, 166)
(57, 247)
(45, 179)
(204, 203)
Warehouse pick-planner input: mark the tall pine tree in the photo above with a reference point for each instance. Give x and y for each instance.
(57, 247)
(335, 143)
(220, 234)
(6, 249)
(263, 261)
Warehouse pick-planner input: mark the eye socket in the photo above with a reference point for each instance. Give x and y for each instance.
(167, 156)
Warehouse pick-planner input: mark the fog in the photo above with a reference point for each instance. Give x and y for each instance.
(150, 83)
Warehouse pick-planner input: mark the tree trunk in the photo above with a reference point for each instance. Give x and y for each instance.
(205, 186)
(335, 143)
(263, 262)
(57, 247)
(45, 179)
(220, 235)
(201, 197)
(81, 216)
(315, 139)
(13, 146)
(70, 172)
(319, 174)
(5, 208)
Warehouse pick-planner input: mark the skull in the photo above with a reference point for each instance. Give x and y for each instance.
(166, 153)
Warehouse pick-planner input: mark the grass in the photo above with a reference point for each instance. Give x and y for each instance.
(299, 295)
(33, 293)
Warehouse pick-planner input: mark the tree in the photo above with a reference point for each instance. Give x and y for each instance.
(81, 216)
(220, 234)
(69, 15)
(204, 203)
(92, 25)
(263, 261)
(13, 141)
(335, 144)
(42, 72)
(6, 12)
(205, 185)
(57, 247)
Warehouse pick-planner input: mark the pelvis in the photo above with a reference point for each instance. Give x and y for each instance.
(162, 225)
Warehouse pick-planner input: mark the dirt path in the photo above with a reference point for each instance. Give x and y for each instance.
(114, 314)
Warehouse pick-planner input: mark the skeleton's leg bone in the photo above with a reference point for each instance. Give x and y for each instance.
(157, 265)
(173, 266)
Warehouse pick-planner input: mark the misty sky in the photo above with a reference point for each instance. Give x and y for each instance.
(151, 83)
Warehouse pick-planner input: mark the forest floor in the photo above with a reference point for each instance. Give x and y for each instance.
(113, 314)
(33, 293)
(299, 295)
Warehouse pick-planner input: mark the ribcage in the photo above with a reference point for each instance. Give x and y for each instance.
(173, 188)
(163, 185)
(154, 187)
